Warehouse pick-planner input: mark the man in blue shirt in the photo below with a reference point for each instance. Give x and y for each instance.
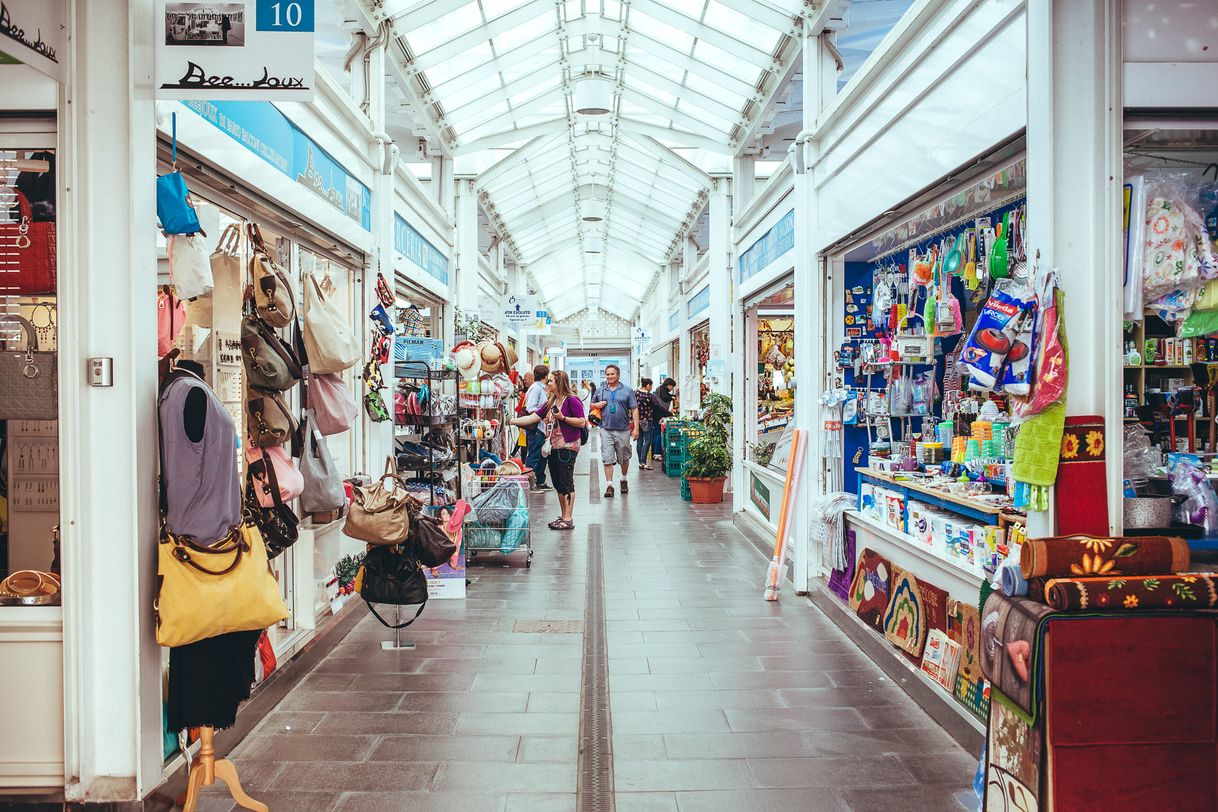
(619, 424)
(535, 435)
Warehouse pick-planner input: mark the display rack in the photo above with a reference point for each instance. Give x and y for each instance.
(417, 425)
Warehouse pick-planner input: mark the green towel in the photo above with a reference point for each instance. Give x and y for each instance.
(1038, 446)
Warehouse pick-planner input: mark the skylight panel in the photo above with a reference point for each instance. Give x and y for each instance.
(466, 92)
(740, 26)
(497, 8)
(542, 25)
(721, 125)
(572, 9)
(466, 117)
(699, 84)
(690, 8)
(453, 24)
(463, 63)
(638, 21)
(638, 82)
(611, 9)
(543, 85)
(705, 52)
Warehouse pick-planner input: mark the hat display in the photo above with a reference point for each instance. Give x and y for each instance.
(496, 357)
(465, 356)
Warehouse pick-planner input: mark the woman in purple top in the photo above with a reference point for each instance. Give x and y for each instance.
(563, 413)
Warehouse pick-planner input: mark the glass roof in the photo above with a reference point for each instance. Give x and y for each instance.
(684, 74)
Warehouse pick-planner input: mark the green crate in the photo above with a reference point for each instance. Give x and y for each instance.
(674, 467)
(685, 490)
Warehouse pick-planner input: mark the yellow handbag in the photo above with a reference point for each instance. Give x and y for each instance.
(209, 591)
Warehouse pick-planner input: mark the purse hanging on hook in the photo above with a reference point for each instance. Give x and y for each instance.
(173, 206)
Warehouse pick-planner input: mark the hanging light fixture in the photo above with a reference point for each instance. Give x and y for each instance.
(592, 95)
(593, 207)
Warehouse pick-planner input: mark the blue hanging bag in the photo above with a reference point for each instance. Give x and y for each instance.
(173, 206)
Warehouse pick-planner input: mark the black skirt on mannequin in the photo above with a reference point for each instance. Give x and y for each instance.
(209, 679)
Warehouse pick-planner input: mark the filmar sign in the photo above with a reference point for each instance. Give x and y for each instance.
(33, 33)
(261, 50)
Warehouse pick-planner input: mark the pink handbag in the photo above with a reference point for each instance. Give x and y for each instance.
(333, 404)
(170, 319)
(284, 474)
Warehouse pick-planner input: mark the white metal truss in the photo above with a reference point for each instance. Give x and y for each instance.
(685, 74)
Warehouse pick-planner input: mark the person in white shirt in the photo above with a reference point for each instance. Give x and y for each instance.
(535, 435)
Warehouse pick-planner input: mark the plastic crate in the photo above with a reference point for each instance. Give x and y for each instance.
(685, 490)
(674, 467)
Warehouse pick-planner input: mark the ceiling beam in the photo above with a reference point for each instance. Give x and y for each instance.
(720, 39)
(692, 124)
(783, 23)
(791, 60)
(677, 136)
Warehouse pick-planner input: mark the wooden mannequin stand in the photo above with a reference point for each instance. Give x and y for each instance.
(207, 768)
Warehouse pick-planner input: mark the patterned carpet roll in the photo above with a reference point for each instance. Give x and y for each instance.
(1134, 593)
(1083, 556)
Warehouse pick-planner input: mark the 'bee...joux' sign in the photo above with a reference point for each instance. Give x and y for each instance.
(239, 51)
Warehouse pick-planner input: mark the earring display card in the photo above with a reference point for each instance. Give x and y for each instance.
(33, 457)
(35, 494)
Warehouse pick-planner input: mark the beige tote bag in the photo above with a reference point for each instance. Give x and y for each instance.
(329, 340)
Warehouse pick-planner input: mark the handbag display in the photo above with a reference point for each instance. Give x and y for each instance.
(227, 268)
(29, 378)
(270, 362)
(279, 525)
(380, 512)
(28, 251)
(209, 591)
(275, 475)
(190, 266)
(269, 420)
(329, 339)
(388, 575)
(272, 292)
(333, 403)
(323, 486)
(429, 542)
(173, 207)
(374, 405)
(170, 319)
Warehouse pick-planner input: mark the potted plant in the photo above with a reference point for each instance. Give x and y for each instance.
(710, 458)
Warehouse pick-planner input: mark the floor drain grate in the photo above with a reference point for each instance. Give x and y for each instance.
(548, 626)
(595, 792)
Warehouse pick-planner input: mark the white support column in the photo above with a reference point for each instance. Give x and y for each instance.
(685, 374)
(744, 181)
(1074, 197)
(108, 507)
(721, 279)
(378, 437)
(465, 292)
(814, 309)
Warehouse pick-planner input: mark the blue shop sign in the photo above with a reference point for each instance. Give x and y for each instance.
(771, 245)
(674, 320)
(263, 130)
(411, 244)
(699, 302)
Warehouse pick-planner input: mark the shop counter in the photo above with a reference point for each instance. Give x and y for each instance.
(980, 509)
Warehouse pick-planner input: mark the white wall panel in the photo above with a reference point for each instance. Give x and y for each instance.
(955, 89)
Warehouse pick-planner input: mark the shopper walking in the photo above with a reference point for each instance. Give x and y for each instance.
(619, 407)
(563, 412)
(535, 435)
(642, 446)
(666, 397)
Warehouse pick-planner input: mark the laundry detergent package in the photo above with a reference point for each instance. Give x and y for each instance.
(998, 335)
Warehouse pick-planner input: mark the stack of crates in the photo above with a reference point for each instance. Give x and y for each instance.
(678, 434)
(685, 490)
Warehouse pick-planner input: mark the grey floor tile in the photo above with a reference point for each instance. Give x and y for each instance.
(387, 723)
(538, 802)
(518, 723)
(646, 802)
(507, 778)
(908, 799)
(427, 747)
(663, 722)
(372, 776)
(738, 745)
(417, 802)
(318, 747)
(749, 720)
(858, 771)
(674, 776)
(549, 748)
(768, 800)
(638, 746)
(720, 700)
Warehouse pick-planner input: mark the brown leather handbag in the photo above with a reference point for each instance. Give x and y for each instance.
(428, 542)
(269, 419)
(269, 362)
(380, 512)
(273, 297)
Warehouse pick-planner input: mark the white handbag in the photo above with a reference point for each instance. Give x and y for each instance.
(189, 266)
(330, 341)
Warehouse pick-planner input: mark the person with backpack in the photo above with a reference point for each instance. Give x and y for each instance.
(651, 412)
(563, 413)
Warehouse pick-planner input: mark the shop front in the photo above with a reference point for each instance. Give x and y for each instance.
(422, 244)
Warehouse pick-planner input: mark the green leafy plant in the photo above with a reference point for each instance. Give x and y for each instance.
(709, 455)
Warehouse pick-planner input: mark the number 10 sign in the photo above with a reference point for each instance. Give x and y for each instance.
(247, 51)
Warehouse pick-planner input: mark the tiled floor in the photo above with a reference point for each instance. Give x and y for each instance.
(720, 701)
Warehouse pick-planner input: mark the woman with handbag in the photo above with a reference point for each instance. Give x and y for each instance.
(563, 411)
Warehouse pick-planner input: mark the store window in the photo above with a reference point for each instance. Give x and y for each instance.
(29, 428)
(774, 393)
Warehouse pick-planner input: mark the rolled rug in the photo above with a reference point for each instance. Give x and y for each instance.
(1084, 556)
(1134, 593)
(1010, 579)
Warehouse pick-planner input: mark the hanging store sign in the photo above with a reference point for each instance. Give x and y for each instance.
(408, 242)
(33, 33)
(269, 134)
(541, 324)
(674, 320)
(770, 246)
(519, 311)
(261, 50)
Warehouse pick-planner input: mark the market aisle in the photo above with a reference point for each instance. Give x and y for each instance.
(719, 700)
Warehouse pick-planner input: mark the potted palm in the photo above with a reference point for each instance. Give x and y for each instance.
(710, 458)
